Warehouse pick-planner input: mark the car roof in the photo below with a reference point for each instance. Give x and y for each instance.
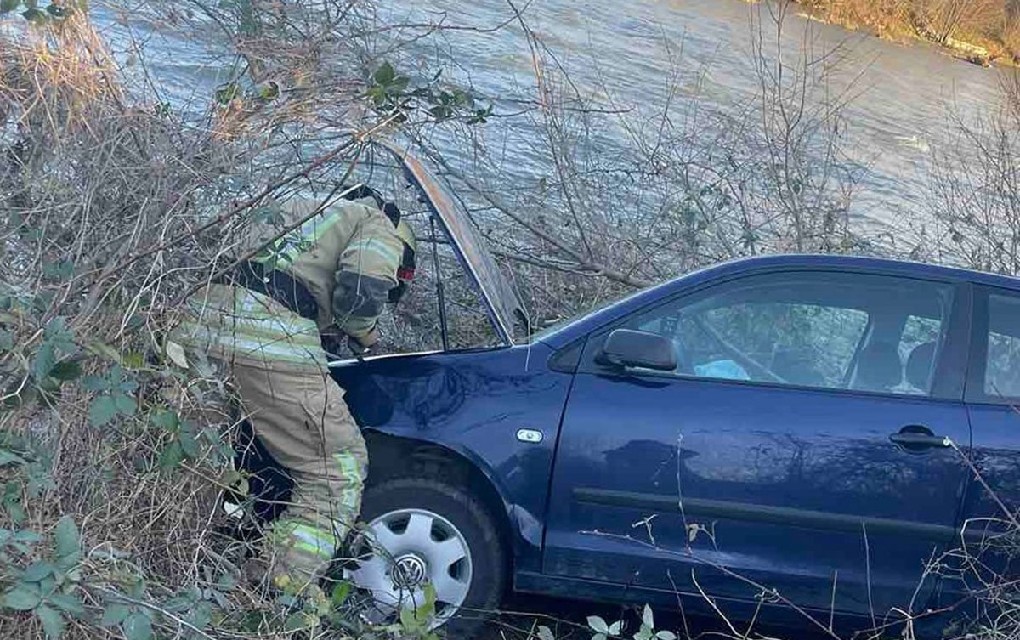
(891, 266)
(759, 264)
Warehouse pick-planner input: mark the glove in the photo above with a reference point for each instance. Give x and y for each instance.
(361, 346)
(332, 341)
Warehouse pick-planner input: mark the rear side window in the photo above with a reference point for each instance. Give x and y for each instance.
(1002, 369)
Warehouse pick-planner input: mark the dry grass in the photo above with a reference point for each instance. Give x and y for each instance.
(104, 227)
(979, 30)
(88, 183)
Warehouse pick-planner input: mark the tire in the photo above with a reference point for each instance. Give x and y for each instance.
(456, 516)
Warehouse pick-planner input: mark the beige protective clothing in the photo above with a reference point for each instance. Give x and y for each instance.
(346, 257)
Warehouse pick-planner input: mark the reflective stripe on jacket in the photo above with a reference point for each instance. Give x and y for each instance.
(346, 255)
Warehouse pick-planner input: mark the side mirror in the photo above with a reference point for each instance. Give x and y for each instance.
(628, 348)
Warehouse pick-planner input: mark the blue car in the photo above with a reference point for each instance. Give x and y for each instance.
(799, 435)
(793, 431)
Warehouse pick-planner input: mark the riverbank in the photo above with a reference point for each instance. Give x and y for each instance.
(986, 35)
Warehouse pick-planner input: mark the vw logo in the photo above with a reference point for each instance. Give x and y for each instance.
(409, 572)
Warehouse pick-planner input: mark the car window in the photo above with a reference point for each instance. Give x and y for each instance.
(801, 343)
(834, 331)
(1002, 369)
(917, 347)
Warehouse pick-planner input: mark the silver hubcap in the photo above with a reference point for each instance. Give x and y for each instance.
(413, 548)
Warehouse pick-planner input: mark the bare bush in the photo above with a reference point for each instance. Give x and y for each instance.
(946, 19)
(678, 184)
(113, 210)
(975, 190)
(976, 30)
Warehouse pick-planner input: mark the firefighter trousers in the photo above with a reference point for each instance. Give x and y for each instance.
(276, 363)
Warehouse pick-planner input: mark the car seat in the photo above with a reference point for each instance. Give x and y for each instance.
(919, 366)
(879, 368)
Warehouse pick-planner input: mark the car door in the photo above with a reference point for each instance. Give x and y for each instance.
(798, 447)
(984, 557)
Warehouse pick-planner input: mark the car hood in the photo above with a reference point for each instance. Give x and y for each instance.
(499, 299)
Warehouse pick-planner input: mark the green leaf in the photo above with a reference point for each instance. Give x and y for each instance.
(200, 615)
(67, 602)
(384, 74)
(104, 350)
(37, 571)
(165, 419)
(616, 628)
(102, 410)
(648, 618)
(295, 622)
(441, 112)
(137, 626)
(128, 386)
(399, 84)
(134, 360)
(238, 483)
(179, 603)
(269, 91)
(44, 360)
(52, 621)
(46, 586)
(6, 6)
(597, 624)
(34, 15)
(545, 633)
(9, 457)
(189, 444)
(340, 593)
(66, 537)
(57, 331)
(407, 619)
(172, 456)
(27, 537)
(665, 635)
(225, 582)
(227, 93)
(377, 95)
(125, 404)
(66, 370)
(114, 614)
(64, 269)
(95, 383)
(12, 502)
(22, 598)
(68, 563)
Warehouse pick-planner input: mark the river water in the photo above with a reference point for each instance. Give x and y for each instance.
(902, 94)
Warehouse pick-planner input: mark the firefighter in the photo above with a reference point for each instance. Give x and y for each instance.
(262, 326)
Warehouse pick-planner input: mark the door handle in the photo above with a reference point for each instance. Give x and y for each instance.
(918, 438)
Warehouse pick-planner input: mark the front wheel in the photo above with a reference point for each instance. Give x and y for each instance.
(427, 532)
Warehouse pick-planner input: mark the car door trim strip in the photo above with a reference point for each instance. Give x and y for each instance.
(787, 516)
